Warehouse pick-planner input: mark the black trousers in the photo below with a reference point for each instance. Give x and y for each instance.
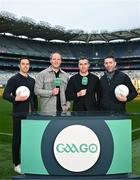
(16, 140)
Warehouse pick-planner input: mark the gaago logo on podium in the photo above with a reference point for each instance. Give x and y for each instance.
(76, 148)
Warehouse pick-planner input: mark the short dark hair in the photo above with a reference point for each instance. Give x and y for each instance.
(23, 58)
(82, 58)
(112, 57)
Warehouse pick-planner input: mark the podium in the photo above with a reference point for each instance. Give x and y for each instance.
(78, 145)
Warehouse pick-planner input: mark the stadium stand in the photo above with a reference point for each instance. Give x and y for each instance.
(13, 45)
(127, 53)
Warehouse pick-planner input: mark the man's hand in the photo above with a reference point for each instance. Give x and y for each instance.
(55, 91)
(81, 93)
(21, 98)
(65, 108)
(121, 98)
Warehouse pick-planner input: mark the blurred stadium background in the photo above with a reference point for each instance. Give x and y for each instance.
(23, 37)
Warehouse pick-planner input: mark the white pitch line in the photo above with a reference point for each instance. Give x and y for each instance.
(135, 130)
(6, 134)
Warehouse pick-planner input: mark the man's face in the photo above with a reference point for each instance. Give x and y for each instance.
(24, 66)
(110, 64)
(56, 60)
(83, 65)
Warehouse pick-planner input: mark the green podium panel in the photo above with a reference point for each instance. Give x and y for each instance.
(76, 145)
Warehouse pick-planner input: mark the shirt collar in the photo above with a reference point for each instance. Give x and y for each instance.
(51, 70)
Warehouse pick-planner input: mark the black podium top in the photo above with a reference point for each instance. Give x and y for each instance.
(77, 115)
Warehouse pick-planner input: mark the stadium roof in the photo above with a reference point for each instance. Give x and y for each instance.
(27, 27)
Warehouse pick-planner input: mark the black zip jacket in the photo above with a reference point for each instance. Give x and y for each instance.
(108, 100)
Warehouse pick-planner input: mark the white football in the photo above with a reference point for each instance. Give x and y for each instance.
(23, 91)
(121, 90)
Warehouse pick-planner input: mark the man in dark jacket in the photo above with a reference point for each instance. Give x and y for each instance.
(109, 81)
(83, 88)
(22, 105)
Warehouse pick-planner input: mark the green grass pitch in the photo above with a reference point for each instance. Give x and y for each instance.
(6, 167)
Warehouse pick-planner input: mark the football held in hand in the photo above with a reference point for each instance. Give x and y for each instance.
(121, 90)
(23, 91)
